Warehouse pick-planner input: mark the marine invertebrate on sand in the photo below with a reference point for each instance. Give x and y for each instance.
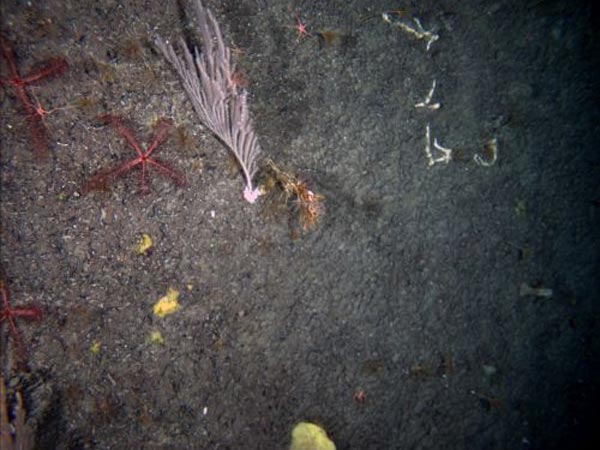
(220, 102)
(19, 84)
(407, 22)
(144, 159)
(168, 304)
(10, 315)
(309, 436)
(305, 206)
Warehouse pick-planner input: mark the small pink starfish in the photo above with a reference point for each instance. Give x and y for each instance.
(10, 315)
(301, 28)
(144, 160)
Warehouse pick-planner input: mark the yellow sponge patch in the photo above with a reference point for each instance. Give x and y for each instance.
(144, 245)
(167, 304)
(308, 436)
(156, 337)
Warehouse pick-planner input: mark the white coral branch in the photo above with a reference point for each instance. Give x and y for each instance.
(220, 104)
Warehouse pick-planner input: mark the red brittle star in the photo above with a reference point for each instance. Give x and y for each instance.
(105, 177)
(10, 315)
(19, 84)
(301, 28)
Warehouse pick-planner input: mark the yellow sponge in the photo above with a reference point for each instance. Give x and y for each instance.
(167, 304)
(308, 436)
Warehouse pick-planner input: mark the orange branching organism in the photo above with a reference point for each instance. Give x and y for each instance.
(309, 205)
(306, 206)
